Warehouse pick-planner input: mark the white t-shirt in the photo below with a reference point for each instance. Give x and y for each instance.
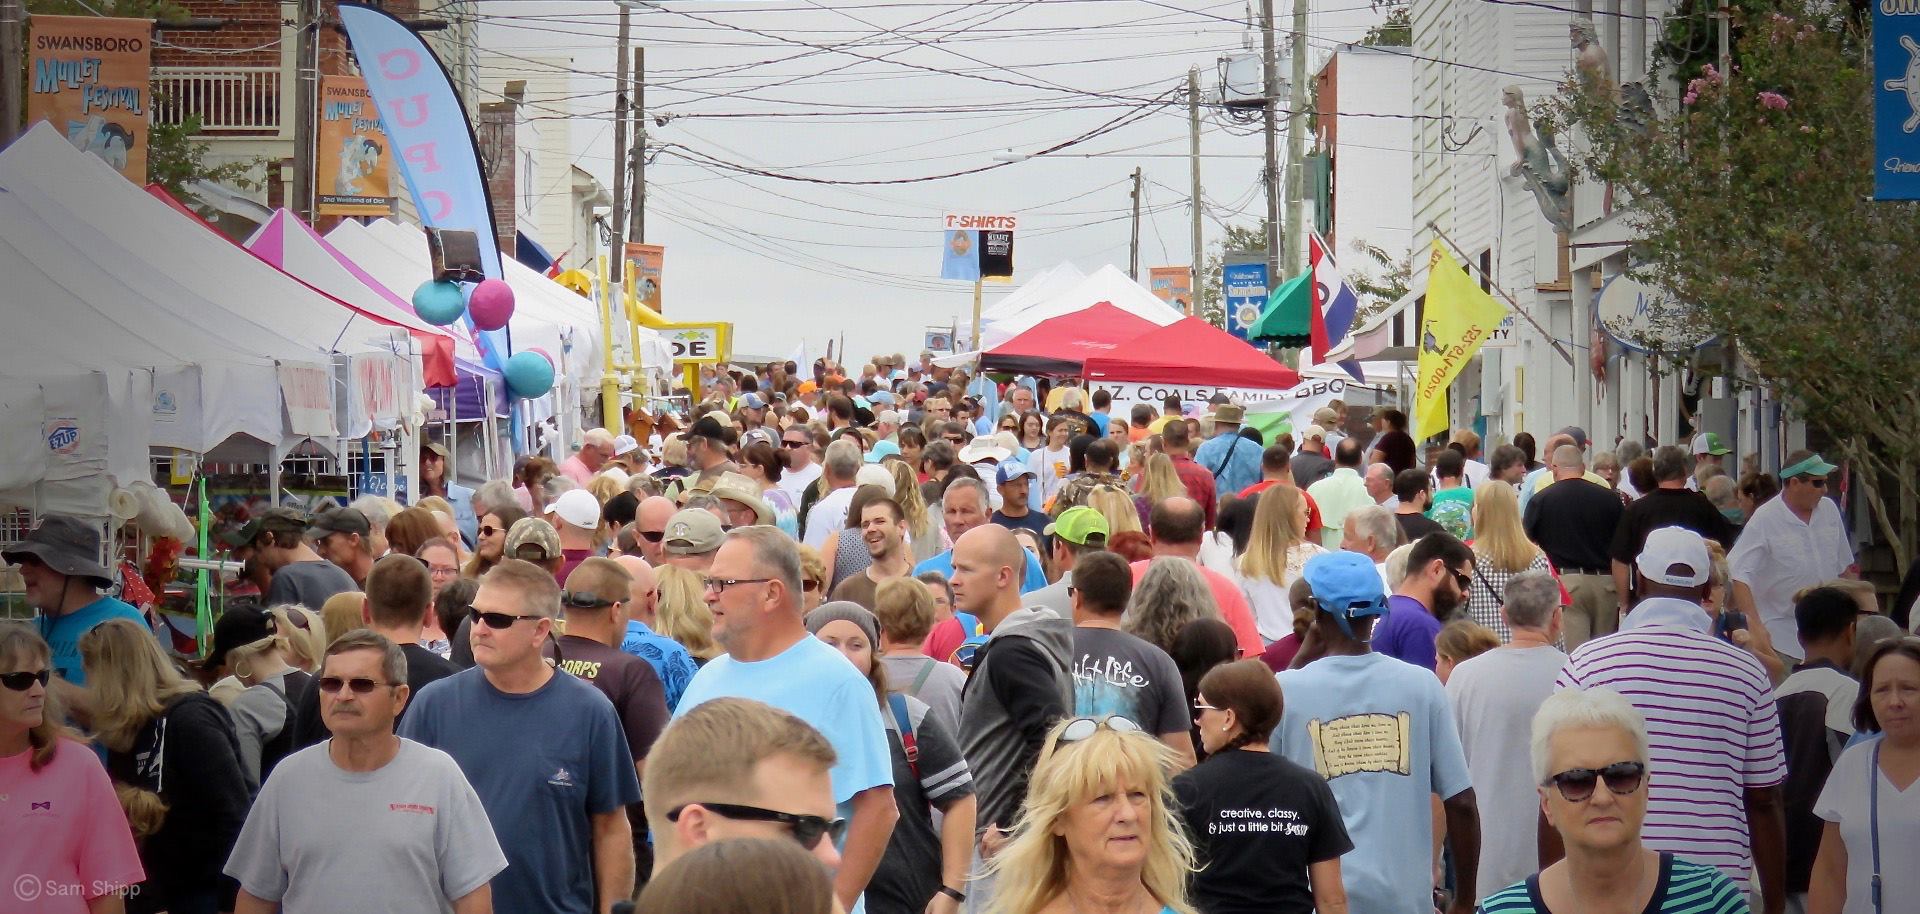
(1778, 553)
(1051, 466)
(795, 482)
(1272, 611)
(1844, 800)
(827, 515)
(1494, 697)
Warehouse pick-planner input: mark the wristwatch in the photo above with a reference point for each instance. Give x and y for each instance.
(953, 893)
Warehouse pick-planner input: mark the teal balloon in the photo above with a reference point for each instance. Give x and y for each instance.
(439, 302)
(529, 375)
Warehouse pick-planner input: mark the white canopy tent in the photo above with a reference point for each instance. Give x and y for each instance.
(1046, 284)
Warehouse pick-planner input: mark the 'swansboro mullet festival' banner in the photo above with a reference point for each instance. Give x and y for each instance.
(90, 77)
(355, 164)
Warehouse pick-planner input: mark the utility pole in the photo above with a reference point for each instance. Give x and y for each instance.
(637, 208)
(1270, 68)
(616, 285)
(305, 102)
(13, 62)
(1296, 148)
(1133, 247)
(1193, 142)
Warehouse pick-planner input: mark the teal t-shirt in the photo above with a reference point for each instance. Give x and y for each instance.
(62, 633)
(1452, 509)
(1685, 888)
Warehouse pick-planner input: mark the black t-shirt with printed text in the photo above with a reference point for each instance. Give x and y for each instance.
(1257, 821)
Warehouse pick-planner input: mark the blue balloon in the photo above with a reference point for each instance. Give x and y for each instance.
(529, 375)
(438, 302)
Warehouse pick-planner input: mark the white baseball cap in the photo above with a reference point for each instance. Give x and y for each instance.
(1671, 548)
(624, 445)
(577, 508)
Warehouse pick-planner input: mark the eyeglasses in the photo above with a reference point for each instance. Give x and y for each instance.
(653, 536)
(333, 684)
(24, 680)
(808, 830)
(1576, 784)
(498, 620)
(719, 584)
(1081, 728)
(442, 571)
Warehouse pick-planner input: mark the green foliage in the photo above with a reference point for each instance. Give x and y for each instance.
(1378, 293)
(1751, 199)
(1238, 238)
(175, 159)
(131, 9)
(1396, 31)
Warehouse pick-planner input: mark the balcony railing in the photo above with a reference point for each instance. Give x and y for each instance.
(236, 101)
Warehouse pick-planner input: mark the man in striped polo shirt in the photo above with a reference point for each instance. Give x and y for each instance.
(1714, 736)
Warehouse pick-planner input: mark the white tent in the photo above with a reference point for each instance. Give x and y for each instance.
(130, 326)
(1046, 284)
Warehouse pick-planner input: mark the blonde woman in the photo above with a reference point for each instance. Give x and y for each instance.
(1276, 553)
(1500, 551)
(1100, 832)
(683, 614)
(1157, 482)
(922, 533)
(1114, 505)
(166, 737)
(262, 650)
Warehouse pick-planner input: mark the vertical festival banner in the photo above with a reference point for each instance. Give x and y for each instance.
(354, 167)
(1173, 285)
(644, 268)
(90, 77)
(975, 246)
(432, 141)
(1896, 101)
(1243, 280)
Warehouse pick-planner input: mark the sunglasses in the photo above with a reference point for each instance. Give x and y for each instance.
(332, 685)
(488, 531)
(653, 536)
(500, 621)
(582, 600)
(1081, 728)
(1462, 579)
(808, 830)
(1200, 708)
(810, 585)
(954, 439)
(793, 445)
(24, 680)
(1577, 784)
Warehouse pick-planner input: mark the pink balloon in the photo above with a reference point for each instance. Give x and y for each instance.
(490, 304)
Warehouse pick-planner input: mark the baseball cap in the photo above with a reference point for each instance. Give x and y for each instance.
(1314, 433)
(1079, 525)
(693, 531)
(807, 387)
(340, 520)
(1010, 471)
(624, 445)
(882, 398)
(753, 401)
(533, 534)
(1709, 443)
(1578, 434)
(1346, 585)
(237, 627)
(874, 474)
(1669, 548)
(436, 447)
(762, 435)
(578, 508)
(708, 427)
(881, 450)
(1814, 465)
(278, 520)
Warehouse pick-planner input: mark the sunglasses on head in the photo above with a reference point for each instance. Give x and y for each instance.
(1577, 784)
(501, 621)
(1081, 728)
(24, 680)
(360, 685)
(808, 830)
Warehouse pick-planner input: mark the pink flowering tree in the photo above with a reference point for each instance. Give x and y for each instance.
(1751, 194)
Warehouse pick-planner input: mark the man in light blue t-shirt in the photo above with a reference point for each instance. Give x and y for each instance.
(754, 591)
(60, 563)
(1379, 730)
(965, 506)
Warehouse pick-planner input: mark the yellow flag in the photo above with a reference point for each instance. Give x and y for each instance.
(1459, 318)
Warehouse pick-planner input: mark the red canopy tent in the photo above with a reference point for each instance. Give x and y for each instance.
(1190, 351)
(1059, 345)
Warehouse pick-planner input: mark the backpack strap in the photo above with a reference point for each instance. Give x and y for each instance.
(898, 703)
(920, 679)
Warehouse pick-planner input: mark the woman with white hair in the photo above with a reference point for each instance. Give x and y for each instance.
(1590, 761)
(1100, 832)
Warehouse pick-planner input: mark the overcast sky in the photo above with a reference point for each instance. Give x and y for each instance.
(789, 261)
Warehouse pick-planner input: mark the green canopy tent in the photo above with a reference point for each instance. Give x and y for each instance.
(1288, 320)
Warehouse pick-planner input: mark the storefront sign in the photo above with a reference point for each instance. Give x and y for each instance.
(89, 77)
(354, 167)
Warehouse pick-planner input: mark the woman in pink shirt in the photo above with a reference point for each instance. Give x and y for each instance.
(68, 850)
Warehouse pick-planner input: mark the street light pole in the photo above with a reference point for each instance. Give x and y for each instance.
(1270, 69)
(615, 287)
(1193, 124)
(1296, 147)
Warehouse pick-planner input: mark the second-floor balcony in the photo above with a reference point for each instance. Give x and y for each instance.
(228, 101)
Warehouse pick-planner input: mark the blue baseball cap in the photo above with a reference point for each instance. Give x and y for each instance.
(1346, 586)
(881, 450)
(1011, 470)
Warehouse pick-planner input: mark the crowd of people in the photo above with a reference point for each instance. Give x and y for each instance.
(904, 640)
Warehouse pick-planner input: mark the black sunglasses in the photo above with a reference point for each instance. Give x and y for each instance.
(488, 531)
(1461, 578)
(359, 684)
(793, 445)
(1576, 784)
(653, 536)
(808, 830)
(498, 620)
(24, 680)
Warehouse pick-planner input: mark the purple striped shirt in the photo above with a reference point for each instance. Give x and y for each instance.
(1712, 733)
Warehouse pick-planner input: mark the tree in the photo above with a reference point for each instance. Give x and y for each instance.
(1210, 308)
(1396, 31)
(1751, 200)
(1377, 295)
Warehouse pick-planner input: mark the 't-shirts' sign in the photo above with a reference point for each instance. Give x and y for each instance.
(90, 79)
(977, 246)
